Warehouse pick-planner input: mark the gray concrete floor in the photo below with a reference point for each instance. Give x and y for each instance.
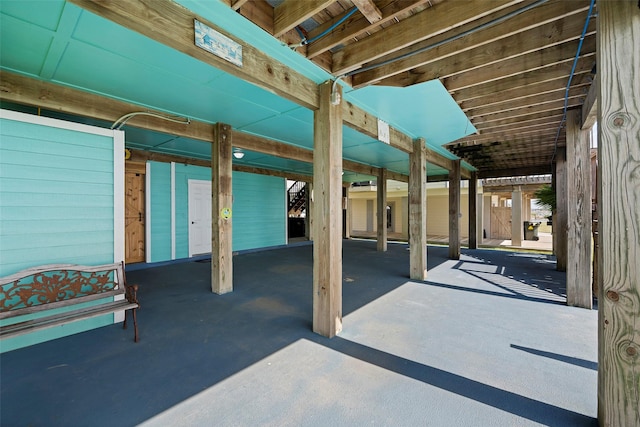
(485, 341)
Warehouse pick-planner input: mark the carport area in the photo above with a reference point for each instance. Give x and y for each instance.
(486, 340)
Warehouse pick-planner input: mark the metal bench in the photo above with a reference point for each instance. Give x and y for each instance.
(69, 286)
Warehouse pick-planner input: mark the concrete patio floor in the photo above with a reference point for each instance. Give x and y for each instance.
(486, 341)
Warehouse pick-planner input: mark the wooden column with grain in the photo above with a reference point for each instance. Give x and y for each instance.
(221, 210)
(473, 211)
(418, 211)
(578, 213)
(347, 213)
(454, 211)
(560, 220)
(327, 215)
(517, 233)
(619, 213)
(382, 209)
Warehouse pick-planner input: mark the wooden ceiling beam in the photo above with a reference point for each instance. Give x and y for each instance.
(549, 23)
(510, 134)
(499, 69)
(428, 23)
(27, 91)
(258, 68)
(540, 169)
(237, 4)
(151, 18)
(553, 120)
(549, 97)
(356, 25)
(525, 111)
(545, 115)
(549, 73)
(290, 13)
(369, 9)
(543, 88)
(590, 106)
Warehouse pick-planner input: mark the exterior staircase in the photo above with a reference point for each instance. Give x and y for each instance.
(297, 199)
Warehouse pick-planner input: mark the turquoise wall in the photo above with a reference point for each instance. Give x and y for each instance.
(259, 211)
(56, 193)
(56, 206)
(183, 174)
(160, 211)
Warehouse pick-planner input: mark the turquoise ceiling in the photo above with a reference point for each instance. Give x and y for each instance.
(59, 42)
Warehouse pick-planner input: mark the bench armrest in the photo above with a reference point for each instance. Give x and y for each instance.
(132, 293)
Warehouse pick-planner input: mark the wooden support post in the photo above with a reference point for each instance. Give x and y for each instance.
(578, 213)
(560, 220)
(418, 211)
(382, 210)
(221, 210)
(327, 214)
(346, 216)
(454, 211)
(480, 218)
(473, 211)
(486, 221)
(619, 213)
(517, 233)
(308, 208)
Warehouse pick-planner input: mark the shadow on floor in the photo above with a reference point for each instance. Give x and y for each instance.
(192, 339)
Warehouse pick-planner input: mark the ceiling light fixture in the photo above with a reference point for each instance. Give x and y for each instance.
(238, 153)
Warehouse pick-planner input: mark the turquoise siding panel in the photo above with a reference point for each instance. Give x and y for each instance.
(259, 212)
(56, 194)
(56, 206)
(160, 211)
(183, 174)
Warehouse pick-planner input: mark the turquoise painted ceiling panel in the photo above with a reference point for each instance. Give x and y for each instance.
(26, 53)
(155, 57)
(60, 42)
(284, 128)
(426, 110)
(45, 14)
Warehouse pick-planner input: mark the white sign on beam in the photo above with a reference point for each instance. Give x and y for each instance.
(220, 45)
(383, 132)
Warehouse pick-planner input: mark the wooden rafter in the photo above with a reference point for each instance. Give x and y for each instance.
(538, 27)
(290, 13)
(369, 10)
(418, 27)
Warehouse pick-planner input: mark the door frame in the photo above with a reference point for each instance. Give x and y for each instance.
(190, 183)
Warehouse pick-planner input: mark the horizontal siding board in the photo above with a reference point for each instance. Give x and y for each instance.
(14, 185)
(53, 162)
(63, 138)
(54, 206)
(35, 173)
(72, 151)
(51, 199)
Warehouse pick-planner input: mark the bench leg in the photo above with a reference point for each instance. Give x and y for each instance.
(135, 325)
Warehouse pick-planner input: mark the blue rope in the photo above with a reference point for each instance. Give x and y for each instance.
(331, 28)
(573, 70)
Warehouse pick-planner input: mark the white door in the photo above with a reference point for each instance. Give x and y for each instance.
(199, 217)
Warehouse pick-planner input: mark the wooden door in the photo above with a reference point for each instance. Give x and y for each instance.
(134, 217)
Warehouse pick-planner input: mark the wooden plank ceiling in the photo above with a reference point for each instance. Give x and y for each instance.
(506, 62)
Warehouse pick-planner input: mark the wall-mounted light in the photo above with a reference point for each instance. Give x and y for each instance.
(238, 153)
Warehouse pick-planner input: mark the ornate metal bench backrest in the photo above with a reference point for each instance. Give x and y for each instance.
(58, 285)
